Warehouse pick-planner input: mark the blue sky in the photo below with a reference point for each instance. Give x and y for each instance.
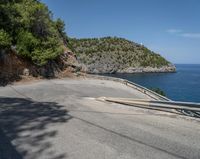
(168, 27)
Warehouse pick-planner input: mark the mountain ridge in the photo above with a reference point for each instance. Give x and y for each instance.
(117, 55)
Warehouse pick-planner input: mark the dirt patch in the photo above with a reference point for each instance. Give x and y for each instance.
(14, 68)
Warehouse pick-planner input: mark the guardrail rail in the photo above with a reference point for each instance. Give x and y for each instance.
(138, 87)
(186, 108)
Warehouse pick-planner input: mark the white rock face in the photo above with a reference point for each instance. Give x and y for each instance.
(26, 72)
(96, 69)
(148, 69)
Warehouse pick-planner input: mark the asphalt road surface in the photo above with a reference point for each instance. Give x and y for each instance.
(61, 119)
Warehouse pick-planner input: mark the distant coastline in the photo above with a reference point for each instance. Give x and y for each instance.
(99, 70)
(164, 69)
(117, 55)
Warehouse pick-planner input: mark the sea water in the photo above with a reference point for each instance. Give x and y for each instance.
(184, 85)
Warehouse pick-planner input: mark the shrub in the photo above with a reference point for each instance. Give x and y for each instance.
(5, 40)
(159, 91)
(39, 51)
(26, 43)
(47, 50)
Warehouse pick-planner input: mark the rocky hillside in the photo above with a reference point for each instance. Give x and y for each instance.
(112, 54)
(31, 41)
(14, 67)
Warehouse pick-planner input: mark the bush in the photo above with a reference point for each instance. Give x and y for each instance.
(26, 43)
(159, 91)
(5, 40)
(47, 50)
(39, 51)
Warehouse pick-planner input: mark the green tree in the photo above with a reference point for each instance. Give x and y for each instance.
(5, 40)
(28, 25)
(60, 25)
(26, 43)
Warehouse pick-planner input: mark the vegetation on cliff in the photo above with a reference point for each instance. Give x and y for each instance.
(118, 52)
(159, 91)
(27, 27)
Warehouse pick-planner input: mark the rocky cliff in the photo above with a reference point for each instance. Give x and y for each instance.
(13, 67)
(111, 55)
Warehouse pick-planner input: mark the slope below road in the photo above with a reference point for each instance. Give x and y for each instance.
(59, 119)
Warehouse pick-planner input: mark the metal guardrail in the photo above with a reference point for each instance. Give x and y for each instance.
(186, 108)
(158, 102)
(147, 91)
(138, 87)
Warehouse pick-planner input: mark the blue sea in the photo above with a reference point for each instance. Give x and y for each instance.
(184, 85)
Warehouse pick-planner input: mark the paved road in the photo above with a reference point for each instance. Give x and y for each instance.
(60, 119)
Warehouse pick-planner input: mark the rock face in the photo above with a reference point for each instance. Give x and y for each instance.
(106, 68)
(112, 54)
(170, 68)
(13, 67)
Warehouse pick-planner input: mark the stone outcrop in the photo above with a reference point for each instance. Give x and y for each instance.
(163, 69)
(13, 67)
(109, 68)
(113, 54)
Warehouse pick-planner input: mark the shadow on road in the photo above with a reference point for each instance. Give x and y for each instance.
(26, 124)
